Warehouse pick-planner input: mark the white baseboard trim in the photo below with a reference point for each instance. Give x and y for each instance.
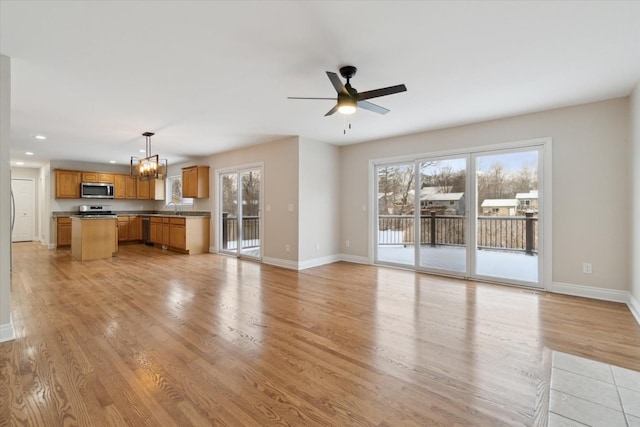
(590, 292)
(213, 250)
(50, 245)
(316, 262)
(599, 293)
(6, 332)
(634, 306)
(354, 258)
(284, 263)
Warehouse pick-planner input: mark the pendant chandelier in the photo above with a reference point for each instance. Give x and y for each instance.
(149, 167)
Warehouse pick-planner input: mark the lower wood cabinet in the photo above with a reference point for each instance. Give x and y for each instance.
(183, 234)
(63, 231)
(129, 228)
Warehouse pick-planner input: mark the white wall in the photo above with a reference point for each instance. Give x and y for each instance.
(591, 192)
(319, 195)
(280, 159)
(634, 139)
(6, 326)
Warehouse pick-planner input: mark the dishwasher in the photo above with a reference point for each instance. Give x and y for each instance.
(146, 230)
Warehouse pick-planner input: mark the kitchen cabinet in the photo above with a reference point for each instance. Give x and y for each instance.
(125, 187)
(131, 187)
(177, 233)
(67, 184)
(123, 229)
(195, 182)
(63, 231)
(97, 177)
(142, 190)
(129, 228)
(93, 238)
(153, 189)
(135, 228)
(119, 186)
(183, 234)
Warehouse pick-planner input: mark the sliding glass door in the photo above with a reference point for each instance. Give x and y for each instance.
(443, 224)
(433, 215)
(507, 216)
(240, 222)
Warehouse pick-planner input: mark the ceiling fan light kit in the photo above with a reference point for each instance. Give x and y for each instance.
(349, 99)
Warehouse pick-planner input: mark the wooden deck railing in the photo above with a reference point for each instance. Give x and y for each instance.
(509, 233)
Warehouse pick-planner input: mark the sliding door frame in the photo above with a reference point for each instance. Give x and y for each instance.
(218, 208)
(545, 207)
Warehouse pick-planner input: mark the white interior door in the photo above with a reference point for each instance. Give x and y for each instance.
(24, 196)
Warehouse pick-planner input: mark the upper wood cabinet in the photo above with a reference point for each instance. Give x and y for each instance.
(67, 184)
(120, 186)
(97, 177)
(195, 182)
(132, 187)
(142, 190)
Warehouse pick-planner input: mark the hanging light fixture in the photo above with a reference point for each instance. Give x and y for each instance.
(149, 167)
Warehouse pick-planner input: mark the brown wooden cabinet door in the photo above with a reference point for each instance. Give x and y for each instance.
(123, 228)
(189, 181)
(135, 228)
(63, 231)
(165, 234)
(89, 176)
(67, 184)
(155, 232)
(132, 187)
(120, 186)
(177, 236)
(105, 177)
(143, 190)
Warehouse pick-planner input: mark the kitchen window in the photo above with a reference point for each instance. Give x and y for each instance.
(174, 191)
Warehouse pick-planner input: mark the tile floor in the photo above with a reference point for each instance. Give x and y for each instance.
(586, 392)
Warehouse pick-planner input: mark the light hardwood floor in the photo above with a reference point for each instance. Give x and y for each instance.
(158, 338)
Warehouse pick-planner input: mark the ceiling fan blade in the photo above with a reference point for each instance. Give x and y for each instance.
(372, 107)
(381, 92)
(333, 110)
(301, 97)
(337, 83)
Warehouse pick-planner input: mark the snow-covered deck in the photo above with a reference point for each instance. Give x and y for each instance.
(498, 264)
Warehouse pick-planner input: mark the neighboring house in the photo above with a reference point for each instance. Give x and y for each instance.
(447, 203)
(499, 207)
(527, 202)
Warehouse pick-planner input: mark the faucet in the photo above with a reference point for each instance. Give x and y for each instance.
(175, 207)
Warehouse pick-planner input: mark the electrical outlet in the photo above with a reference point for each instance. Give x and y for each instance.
(586, 268)
(317, 246)
(347, 243)
(287, 248)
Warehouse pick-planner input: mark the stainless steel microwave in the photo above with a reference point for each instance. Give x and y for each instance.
(96, 190)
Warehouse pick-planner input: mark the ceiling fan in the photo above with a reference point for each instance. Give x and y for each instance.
(349, 98)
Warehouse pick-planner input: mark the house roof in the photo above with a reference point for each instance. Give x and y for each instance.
(444, 196)
(533, 194)
(499, 203)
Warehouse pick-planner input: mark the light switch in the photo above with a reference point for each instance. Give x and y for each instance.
(290, 207)
(268, 207)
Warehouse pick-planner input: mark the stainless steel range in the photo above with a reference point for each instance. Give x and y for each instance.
(93, 211)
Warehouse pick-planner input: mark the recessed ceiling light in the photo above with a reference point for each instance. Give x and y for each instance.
(19, 163)
(112, 161)
(28, 153)
(40, 137)
(142, 151)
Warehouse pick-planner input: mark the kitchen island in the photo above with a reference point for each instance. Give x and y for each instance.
(93, 237)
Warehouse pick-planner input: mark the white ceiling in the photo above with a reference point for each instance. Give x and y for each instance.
(211, 76)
